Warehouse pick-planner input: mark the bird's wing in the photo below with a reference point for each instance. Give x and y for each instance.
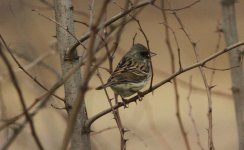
(129, 71)
(126, 71)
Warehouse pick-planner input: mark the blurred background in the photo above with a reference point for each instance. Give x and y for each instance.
(152, 123)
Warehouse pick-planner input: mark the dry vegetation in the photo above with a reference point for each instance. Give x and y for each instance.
(54, 54)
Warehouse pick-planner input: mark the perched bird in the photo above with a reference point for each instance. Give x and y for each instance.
(132, 72)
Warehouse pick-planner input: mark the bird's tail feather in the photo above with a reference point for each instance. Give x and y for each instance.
(102, 87)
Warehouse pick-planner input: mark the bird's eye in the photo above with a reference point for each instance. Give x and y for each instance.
(145, 54)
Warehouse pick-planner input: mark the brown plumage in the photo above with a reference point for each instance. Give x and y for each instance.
(132, 72)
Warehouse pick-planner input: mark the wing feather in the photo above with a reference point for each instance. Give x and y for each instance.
(129, 70)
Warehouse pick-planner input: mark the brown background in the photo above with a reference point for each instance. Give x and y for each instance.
(152, 123)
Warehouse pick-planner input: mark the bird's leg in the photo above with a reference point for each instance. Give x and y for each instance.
(140, 95)
(124, 102)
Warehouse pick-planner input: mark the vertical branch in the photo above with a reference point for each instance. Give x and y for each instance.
(176, 91)
(110, 58)
(191, 115)
(219, 31)
(64, 15)
(207, 87)
(115, 113)
(120, 126)
(114, 48)
(231, 36)
(80, 99)
(21, 97)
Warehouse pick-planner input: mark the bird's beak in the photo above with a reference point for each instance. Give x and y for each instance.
(152, 54)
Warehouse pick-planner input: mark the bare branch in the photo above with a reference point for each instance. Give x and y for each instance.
(144, 35)
(103, 130)
(219, 31)
(59, 24)
(109, 22)
(221, 69)
(168, 79)
(191, 115)
(178, 9)
(86, 78)
(25, 71)
(176, 90)
(207, 87)
(22, 101)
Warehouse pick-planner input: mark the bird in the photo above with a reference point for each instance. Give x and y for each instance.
(132, 72)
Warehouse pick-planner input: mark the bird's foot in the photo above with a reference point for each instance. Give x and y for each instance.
(124, 103)
(136, 101)
(140, 95)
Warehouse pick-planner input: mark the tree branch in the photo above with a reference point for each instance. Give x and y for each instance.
(168, 79)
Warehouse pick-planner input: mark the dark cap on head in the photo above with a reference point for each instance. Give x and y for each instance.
(139, 47)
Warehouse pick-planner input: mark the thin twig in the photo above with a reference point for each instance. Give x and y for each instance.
(175, 83)
(45, 97)
(177, 44)
(110, 59)
(59, 24)
(178, 9)
(145, 37)
(116, 115)
(21, 98)
(221, 69)
(109, 22)
(184, 83)
(210, 116)
(34, 62)
(24, 70)
(219, 33)
(42, 63)
(103, 130)
(14, 119)
(168, 79)
(148, 47)
(81, 22)
(134, 37)
(191, 115)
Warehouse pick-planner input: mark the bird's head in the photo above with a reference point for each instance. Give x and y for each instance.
(140, 52)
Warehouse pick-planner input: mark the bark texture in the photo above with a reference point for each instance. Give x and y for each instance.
(64, 16)
(231, 37)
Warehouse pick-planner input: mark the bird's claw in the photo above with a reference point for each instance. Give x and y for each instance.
(136, 101)
(124, 103)
(140, 95)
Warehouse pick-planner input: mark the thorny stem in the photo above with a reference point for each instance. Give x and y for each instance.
(172, 76)
(176, 90)
(209, 114)
(21, 98)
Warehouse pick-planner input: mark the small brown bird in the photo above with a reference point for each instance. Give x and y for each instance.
(132, 72)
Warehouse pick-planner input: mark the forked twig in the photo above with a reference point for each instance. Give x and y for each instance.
(210, 116)
(175, 83)
(110, 21)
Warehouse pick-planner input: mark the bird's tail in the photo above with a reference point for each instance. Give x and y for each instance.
(101, 87)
